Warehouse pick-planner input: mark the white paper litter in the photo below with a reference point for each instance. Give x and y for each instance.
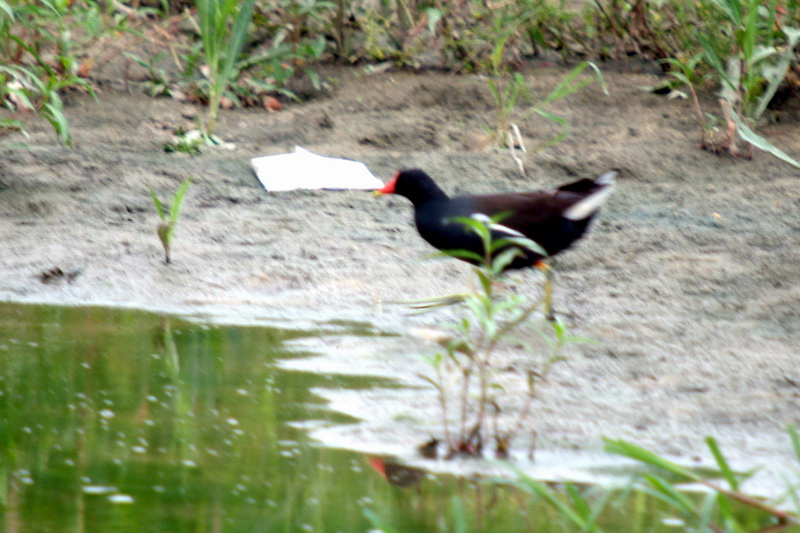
(306, 170)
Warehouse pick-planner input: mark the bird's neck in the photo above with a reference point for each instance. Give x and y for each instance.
(431, 193)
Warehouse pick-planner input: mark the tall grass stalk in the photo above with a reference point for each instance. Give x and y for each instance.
(223, 29)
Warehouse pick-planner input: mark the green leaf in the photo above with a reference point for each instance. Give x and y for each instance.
(724, 467)
(643, 455)
(547, 494)
(795, 438)
(177, 201)
(53, 111)
(672, 496)
(726, 514)
(503, 259)
(462, 254)
(761, 143)
(472, 224)
(776, 73)
(714, 59)
(485, 280)
(732, 10)
(378, 522)
(7, 10)
(158, 204)
(529, 244)
(11, 124)
(578, 501)
(237, 38)
(565, 87)
(750, 31)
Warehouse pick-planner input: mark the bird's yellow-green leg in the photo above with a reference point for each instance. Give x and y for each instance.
(548, 290)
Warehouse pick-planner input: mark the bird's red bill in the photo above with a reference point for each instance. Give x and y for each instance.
(389, 187)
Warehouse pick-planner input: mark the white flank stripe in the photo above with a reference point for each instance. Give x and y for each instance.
(480, 217)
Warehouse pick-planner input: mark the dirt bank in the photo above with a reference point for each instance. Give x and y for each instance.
(690, 280)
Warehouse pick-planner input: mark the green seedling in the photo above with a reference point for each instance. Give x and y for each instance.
(166, 228)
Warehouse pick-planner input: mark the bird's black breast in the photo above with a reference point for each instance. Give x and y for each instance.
(437, 222)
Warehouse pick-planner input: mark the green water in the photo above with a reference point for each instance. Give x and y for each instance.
(125, 421)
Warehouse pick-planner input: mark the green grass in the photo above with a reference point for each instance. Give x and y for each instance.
(243, 52)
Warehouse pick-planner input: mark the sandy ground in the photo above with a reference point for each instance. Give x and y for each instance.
(689, 281)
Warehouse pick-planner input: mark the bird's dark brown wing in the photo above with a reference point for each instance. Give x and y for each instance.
(526, 210)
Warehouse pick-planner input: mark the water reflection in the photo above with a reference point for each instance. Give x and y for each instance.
(122, 421)
(126, 421)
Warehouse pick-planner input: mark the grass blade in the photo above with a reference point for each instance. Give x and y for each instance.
(177, 201)
(53, 111)
(461, 254)
(503, 259)
(158, 204)
(793, 435)
(666, 492)
(238, 35)
(378, 522)
(459, 514)
(724, 467)
(547, 494)
(643, 455)
(761, 143)
(715, 60)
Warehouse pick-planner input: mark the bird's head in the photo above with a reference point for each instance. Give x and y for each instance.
(414, 184)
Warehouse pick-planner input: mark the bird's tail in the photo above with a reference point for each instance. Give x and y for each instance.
(587, 206)
(607, 179)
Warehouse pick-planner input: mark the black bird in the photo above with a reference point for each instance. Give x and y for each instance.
(553, 218)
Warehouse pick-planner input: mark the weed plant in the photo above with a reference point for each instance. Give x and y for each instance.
(717, 509)
(40, 58)
(471, 397)
(751, 55)
(506, 94)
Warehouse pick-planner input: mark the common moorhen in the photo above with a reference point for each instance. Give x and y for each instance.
(553, 218)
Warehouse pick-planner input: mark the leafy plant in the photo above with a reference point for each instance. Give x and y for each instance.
(507, 93)
(38, 61)
(751, 55)
(223, 29)
(270, 71)
(716, 508)
(169, 221)
(464, 374)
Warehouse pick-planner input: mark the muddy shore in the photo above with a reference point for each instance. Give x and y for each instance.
(689, 281)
